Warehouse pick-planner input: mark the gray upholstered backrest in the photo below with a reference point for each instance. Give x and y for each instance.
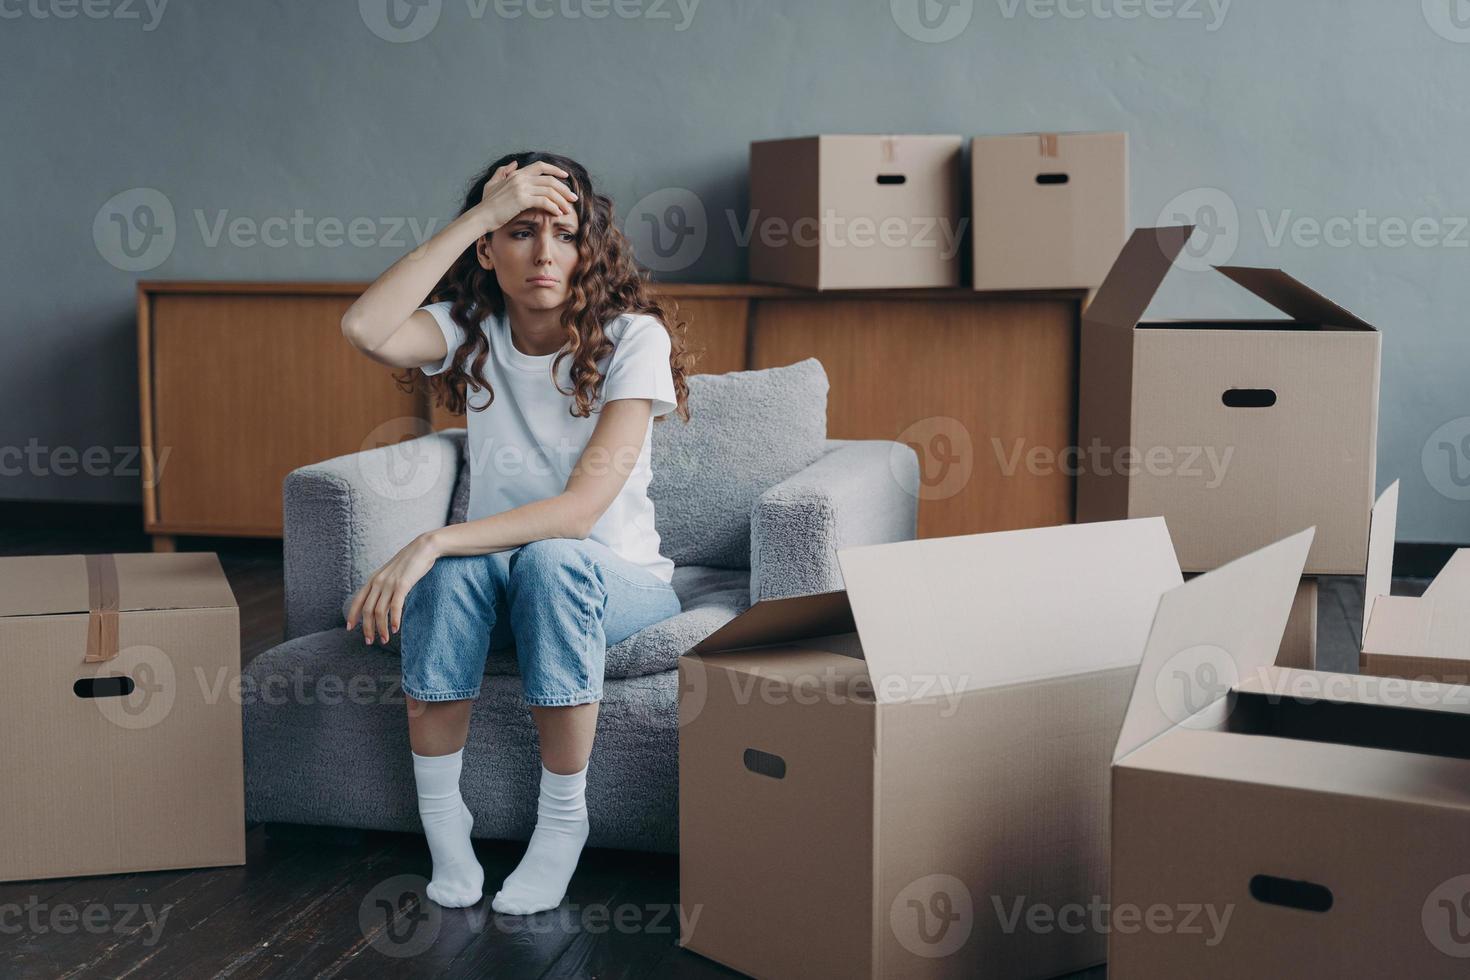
(747, 431)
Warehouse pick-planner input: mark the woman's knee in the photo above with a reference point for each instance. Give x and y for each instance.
(457, 581)
(552, 562)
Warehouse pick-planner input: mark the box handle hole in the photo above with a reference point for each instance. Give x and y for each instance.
(1248, 398)
(103, 687)
(765, 764)
(892, 179)
(1052, 178)
(1305, 895)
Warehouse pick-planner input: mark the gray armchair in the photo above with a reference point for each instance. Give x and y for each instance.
(752, 502)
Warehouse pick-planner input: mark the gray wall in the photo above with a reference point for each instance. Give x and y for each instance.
(1298, 112)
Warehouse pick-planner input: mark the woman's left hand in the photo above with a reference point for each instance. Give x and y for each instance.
(379, 603)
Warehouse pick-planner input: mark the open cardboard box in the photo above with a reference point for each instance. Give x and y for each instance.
(895, 780)
(1422, 637)
(1278, 822)
(120, 715)
(1237, 432)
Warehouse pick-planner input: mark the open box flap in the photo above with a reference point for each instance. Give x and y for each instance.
(947, 615)
(1448, 603)
(49, 585)
(1382, 529)
(1296, 300)
(1453, 581)
(772, 621)
(1135, 277)
(1208, 634)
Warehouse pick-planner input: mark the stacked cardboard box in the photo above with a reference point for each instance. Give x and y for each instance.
(1237, 432)
(1047, 210)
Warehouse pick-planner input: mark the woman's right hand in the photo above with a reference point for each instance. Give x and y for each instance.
(510, 190)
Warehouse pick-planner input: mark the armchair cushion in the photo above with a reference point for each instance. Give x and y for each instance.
(747, 431)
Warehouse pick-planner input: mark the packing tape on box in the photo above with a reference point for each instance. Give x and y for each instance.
(1048, 144)
(102, 605)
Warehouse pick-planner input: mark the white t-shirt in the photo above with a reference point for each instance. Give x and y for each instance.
(523, 447)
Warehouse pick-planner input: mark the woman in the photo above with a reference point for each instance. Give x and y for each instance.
(541, 325)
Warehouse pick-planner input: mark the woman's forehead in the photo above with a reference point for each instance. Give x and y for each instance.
(535, 217)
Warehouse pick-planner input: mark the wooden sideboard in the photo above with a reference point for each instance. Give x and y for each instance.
(240, 383)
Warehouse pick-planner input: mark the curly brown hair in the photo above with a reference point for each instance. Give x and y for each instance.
(605, 284)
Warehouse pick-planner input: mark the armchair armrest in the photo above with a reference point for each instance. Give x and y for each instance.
(346, 516)
(860, 492)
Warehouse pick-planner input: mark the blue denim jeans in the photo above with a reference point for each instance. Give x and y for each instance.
(560, 602)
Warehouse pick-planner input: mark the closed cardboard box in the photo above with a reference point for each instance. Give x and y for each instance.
(856, 212)
(1424, 637)
(901, 779)
(1050, 210)
(1275, 822)
(1237, 432)
(120, 715)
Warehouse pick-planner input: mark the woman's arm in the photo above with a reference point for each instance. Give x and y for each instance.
(384, 323)
(596, 480)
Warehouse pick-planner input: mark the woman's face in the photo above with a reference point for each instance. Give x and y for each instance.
(533, 257)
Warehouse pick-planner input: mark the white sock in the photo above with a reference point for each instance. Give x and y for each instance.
(540, 881)
(458, 877)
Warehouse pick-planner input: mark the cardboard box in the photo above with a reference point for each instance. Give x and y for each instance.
(1299, 642)
(1237, 432)
(1277, 822)
(888, 781)
(856, 212)
(1421, 637)
(120, 715)
(1049, 210)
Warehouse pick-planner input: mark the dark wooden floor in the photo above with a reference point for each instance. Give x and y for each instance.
(320, 903)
